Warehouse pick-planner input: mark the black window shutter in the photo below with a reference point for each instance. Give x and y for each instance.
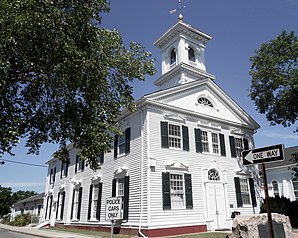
(76, 167)
(114, 182)
(126, 198)
(47, 206)
(62, 205)
(58, 200)
(83, 164)
(198, 140)
(127, 140)
(66, 171)
(164, 134)
(245, 143)
(252, 192)
(222, 145)
(232, 146)
(99, 201)
(166, 192)
(72, 203)
(51, 201)
(101, 158)
(188, 191)
(51, 176)
(185, 138)
(80, 203)
(54, 175)
(90, 201)
(61, 169)
(115, 146)
(238, 192)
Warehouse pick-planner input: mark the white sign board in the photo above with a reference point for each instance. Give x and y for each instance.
(113, 208)
(263, 155)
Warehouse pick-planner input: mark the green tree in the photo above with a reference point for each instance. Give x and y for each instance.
(274, 85)
(20, 195)
(62, 78)
(5, 200)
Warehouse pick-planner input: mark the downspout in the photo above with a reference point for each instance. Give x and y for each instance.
(142, 161)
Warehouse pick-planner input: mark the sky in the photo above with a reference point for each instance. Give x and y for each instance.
(237, 27)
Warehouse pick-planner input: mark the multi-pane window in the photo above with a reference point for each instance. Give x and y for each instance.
(60, 206)
(52, 175)
(174, 136)
(120, 186)
(213, 175)
(244, 188)
(275, 188)
(238, 147)
(205, 144)
(204, 101)
(121, 145)
(64, 169)
(94, 201)
(215, 143)
(76, 203)
(177, 190)
(295, 188)
(80, 164)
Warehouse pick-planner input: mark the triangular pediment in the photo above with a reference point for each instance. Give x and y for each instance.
(205, 100)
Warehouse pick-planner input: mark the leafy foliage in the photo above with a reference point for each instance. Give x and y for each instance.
(62, 78)
(21, 220)
(283, 206)
(5, 200)
(274, 72)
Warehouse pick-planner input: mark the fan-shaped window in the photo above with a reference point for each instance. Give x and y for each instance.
(213, 175)
(191, 54)
(173, 56)
(205, 101)
(275, 188)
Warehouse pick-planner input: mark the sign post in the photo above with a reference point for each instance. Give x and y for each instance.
(113, 211)
(261, 156)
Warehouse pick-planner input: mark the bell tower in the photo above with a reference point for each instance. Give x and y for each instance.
(183, 55)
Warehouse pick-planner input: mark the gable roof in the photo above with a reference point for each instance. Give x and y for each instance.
(36, 197)
(175, 99)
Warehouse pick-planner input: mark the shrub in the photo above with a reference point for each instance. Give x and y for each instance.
(6, 219)
(283, 206)
(22, 220)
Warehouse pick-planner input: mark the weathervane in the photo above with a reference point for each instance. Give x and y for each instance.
(180, 7)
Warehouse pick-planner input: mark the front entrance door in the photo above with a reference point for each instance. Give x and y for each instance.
(216, 205)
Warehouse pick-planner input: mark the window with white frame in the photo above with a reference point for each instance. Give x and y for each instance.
(121, 145)
(60, 205)
(177, 190)
(80, 164)
(52, 175)
(275, 188)
(120, 188)
(215, 143)
(205, 144)
(244, 188)
(76, 203)
(174, 136)
(95, 201)
(238, 146)
(64, 169)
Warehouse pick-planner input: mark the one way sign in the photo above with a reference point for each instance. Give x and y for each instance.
(263, 155)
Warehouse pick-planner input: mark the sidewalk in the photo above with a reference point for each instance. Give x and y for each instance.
(43, 232)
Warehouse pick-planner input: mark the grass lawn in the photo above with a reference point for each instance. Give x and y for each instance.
(107, 234)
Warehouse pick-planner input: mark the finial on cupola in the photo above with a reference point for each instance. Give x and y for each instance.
(180, 17)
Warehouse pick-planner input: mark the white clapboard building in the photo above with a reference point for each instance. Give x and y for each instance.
(177, 167)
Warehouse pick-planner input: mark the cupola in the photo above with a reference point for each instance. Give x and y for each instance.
(183, 55)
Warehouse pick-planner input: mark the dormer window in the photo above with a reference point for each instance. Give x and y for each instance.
(173, 56)
(205, 102)
(191, 54)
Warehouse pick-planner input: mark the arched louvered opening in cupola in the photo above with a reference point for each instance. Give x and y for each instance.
(173, 56)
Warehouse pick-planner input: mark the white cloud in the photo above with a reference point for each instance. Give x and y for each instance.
(22, 184)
